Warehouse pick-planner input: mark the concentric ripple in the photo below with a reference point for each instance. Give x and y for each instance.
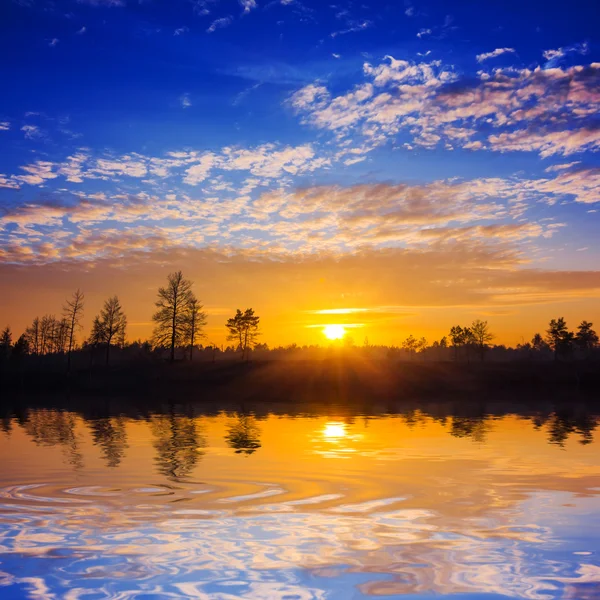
(466, 520)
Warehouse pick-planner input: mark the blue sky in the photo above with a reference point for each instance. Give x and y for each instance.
(292, 130)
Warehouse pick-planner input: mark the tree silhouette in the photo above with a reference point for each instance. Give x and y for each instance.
(481, 335)
(171, 317)
(243, 329)
(5, 343)
(586, 338)
(33, 336)
(410, 345)
(73, 313)
(195, 320)
(559, 338)
(109, 327)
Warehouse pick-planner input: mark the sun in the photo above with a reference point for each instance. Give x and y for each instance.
(334, 332)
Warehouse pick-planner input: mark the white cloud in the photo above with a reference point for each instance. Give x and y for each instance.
(550, 111)
(219, 24)
(81, 31)
(199, 171)
(353, 26)
(558, 53)
(32, 132)
(53, 42)
(423, 32)
(181, 30)
(248, 5)
(185, 101)
(4, 125)
(561, 167)
(494, 53)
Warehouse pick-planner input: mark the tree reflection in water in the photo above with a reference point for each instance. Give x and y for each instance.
(244, 435)
(54, 428)
(111, 436)
(179, 444)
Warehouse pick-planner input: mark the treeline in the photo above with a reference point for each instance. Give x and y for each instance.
(179, 333)
(179, 322)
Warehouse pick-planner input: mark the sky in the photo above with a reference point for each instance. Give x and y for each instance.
(397, 167)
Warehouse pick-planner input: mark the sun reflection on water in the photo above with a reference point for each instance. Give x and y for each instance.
(334, 431)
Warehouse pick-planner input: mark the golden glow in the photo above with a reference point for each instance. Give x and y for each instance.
(334, 431)
(334, 332)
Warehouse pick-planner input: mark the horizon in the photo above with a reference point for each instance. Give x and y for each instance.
(394, 168)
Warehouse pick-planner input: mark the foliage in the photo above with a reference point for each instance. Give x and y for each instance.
(195, 320)
(243, 329)
(109, 326)
(171, 318)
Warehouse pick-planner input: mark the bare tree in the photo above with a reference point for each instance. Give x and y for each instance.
(243, 329)
(195, 321)
(33, 336)
(73, 312)
(109, 327)
(173, 306)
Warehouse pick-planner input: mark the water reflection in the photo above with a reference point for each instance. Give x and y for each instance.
(476, 501)
(179, 445)
(244, 435)
(111, 436)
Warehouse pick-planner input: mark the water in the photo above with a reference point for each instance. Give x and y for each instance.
(183, 501)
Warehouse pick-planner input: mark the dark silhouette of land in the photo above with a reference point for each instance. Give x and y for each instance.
(342, 378)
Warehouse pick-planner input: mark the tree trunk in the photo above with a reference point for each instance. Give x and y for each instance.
(173, 329)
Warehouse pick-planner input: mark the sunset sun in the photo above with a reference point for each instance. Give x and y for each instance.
(334, 332)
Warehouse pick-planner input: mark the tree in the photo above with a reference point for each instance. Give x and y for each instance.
(33, 336)
(559, 338)
(481, 335)
(6, 342)
(171, 317)
(109, 327)
(73, 313)
(243, 329)
(21, 348)
(457, 338)
(586, 338)
(410, 345)
(195, 320)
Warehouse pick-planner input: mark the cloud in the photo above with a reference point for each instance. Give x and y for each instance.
(181, 30)
(185, 101)
(423, 32)
(547, 143)
(81, 31)
(53, 42)
(4, 125)
(561, 167)
(497, 52)
(32, 132)
(219, 24)
(549, 111)
(6, 182)
(352, 27)
(554, 55)
(248, 5)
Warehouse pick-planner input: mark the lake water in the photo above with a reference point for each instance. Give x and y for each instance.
(185, 502)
